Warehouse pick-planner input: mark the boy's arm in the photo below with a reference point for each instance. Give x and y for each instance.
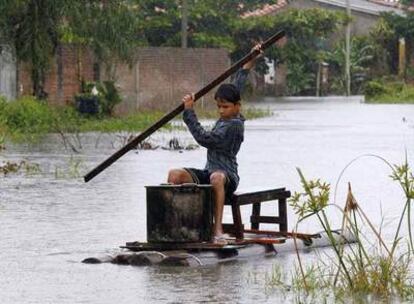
(242, 74)
(219, 138)
(209, 139)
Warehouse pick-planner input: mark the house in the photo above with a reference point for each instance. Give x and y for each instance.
(365, 15)
(364, 12)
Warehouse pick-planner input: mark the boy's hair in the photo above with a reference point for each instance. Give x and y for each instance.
(228, 92)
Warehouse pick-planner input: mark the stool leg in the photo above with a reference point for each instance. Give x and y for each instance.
(237, 221)
(255, 212)
(283, 226)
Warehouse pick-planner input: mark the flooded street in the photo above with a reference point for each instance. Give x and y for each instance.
(51, 221)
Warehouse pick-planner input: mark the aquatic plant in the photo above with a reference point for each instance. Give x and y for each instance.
(359, 271)
(2, 142)
(74, 168)
(389, 91)
(10, 167)
(403, 175)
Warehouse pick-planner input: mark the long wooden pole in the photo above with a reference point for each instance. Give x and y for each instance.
(166, 118)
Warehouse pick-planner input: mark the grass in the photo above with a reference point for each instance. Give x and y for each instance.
(9, 167)
(392, 92)
(27, 119)
(359, 272)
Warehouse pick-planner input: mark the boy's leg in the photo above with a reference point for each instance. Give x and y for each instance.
(179, 176)
(218, 181)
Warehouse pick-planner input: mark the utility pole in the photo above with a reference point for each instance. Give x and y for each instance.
(348, 50)
(184, 23)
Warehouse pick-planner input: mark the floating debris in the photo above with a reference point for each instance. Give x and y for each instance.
(15, 167)
(175, 145)
(146, 145)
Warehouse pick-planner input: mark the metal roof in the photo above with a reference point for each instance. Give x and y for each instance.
(368, 7)
(371, 7)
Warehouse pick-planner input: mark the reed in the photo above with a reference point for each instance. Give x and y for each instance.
(10, 167)
(361, 272)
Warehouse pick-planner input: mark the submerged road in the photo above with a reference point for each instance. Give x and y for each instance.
(52, 221)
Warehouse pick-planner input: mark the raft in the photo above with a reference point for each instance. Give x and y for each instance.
(179, 229)
(200, 254)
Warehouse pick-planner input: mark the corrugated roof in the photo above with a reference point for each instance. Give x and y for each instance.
(267, 9)
(364, 6)
(372, 7)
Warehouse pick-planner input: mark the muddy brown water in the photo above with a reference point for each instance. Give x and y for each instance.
(49, 222)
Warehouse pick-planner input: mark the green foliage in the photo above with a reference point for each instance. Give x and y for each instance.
(374, 88)
(314, 198)
(110, 28)
(389, 91)
(106, 94)
(359, 270)
(25, 118)
(392, 28)
(110, 97)
(135, 122)
(407, 2)
(36, 27)
(210, 22)
(9, 167)
(361, 58)
(31, 27)
(307, 32)
(404, 176)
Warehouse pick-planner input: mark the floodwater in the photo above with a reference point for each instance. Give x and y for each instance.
(51, 221)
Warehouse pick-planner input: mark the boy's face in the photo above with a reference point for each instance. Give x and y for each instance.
(227, 110)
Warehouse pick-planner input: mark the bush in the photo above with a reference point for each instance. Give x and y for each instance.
(26, 116)
(374, 88)
(103, 100)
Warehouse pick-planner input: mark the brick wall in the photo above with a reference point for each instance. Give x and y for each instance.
(70, 64)
(158, 79)
(161, 76)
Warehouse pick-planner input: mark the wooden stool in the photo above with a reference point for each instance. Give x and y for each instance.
(256, 199)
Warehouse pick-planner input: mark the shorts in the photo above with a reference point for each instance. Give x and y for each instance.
(202, 177)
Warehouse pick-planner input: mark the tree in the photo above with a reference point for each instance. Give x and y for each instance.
(307, 32)
(32, 28)
(397, 27)
(36, 27)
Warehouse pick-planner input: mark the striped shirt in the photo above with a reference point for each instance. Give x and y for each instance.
(224, 140)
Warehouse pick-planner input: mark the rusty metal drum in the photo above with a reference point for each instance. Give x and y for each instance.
(179, 213)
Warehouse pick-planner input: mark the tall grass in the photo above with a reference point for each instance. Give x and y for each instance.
(381, 91)
(28, 119)
(361, 271)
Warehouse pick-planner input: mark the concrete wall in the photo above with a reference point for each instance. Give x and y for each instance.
(7, 73)
(362, 24)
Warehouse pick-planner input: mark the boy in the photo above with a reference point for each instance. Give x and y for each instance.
(222, 143)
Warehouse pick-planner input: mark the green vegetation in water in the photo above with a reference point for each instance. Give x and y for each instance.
(9, 167)
(74, 168)
(381, 91)
(360, 272)
(28, 119)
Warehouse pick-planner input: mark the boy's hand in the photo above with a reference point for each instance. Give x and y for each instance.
(188, 101)
(250, 64)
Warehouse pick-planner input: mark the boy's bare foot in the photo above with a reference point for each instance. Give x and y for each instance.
(220, 239)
